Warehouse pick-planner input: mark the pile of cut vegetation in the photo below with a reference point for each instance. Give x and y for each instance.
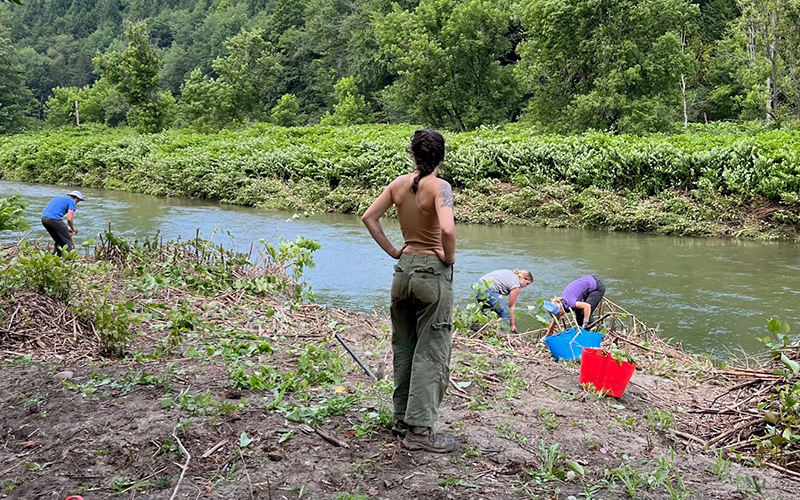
(71, 307)
(756, 415)
(748, 409)
(35, 315)
(34, 323)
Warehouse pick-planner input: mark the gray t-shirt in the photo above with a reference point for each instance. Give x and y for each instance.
(501, 281)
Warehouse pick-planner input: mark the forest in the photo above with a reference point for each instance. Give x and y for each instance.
(555, 66)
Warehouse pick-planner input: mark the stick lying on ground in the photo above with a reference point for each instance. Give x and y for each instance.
(330, 438)
(355, 357)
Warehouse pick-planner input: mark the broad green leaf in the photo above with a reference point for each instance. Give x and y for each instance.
(575, 467)
(774, 325)
(792, 365)
(244, 440)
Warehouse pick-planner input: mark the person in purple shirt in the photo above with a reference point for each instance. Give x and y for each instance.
(581, 296)
(52, 214)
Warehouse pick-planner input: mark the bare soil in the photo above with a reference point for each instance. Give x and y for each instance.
(76, 423)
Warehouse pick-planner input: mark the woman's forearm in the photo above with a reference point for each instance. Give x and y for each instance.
(512, 304)
(375, 229)
(550, 328)
(449, 246)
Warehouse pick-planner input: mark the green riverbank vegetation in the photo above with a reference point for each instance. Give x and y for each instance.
(12, 214)
(300, 105)
(153, 367)
(715, 180)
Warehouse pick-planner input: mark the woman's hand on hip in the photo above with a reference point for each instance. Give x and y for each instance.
(440, 253)
(398, 252)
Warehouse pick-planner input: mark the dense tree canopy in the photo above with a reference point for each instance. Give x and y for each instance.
(566, 65)
(135, 73)
(608, 65)
(446, 55)
(246, 83)
(15, 97)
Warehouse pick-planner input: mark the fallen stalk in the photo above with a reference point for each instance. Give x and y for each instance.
(356, 358)
(331, 439)
(183, 467)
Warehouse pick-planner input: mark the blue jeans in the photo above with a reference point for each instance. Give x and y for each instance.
(492, 300)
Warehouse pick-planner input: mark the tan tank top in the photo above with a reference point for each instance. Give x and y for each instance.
(421, 230)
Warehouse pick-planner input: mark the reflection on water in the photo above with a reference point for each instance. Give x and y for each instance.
(708, 293)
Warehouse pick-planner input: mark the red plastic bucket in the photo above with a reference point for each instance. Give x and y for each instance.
(605, 373)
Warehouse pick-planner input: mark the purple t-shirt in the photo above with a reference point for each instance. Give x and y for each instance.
(578, 290)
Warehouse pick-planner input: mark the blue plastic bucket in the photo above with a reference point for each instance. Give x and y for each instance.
(568, 345)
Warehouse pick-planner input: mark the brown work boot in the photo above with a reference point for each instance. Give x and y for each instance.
(424, 438)
(399, 428)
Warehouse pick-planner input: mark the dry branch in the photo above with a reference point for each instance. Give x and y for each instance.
(330, 438)
(183, 467)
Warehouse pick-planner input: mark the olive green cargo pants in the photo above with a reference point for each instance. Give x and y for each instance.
(422, 336)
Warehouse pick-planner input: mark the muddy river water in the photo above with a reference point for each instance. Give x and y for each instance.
(711, 294)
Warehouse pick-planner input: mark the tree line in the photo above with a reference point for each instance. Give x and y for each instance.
(627, 66)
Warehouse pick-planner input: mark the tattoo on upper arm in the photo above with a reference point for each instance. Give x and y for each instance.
(446, 192)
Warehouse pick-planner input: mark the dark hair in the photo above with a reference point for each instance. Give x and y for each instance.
(427, 148)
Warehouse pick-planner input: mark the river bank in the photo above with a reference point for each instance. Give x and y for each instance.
(179, 367)
(710, 181)
(682, 284)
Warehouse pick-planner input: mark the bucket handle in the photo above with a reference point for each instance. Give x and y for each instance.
(572, 341)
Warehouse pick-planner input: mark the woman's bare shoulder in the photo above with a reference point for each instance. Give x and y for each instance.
(399, 182)
(436, 183)
(439, 186)
(396, 188)
(399, 179)
(433, 188)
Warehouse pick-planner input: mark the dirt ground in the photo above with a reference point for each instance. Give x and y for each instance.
(167, 422)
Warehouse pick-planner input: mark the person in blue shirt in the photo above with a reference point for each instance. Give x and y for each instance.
(51, 220)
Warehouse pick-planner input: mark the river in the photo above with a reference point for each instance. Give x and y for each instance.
(711, 294)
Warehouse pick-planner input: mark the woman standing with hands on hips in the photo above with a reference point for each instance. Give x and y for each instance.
(422, 291)
(582, 296)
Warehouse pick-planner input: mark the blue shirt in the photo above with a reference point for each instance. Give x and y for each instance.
(59, 206)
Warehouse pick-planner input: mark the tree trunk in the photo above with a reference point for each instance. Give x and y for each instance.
(769, 100)
(685, 107)
(77, 115)
(683, 86)
(773, 60)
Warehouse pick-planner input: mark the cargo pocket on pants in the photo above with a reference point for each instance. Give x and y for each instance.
(425, 285)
